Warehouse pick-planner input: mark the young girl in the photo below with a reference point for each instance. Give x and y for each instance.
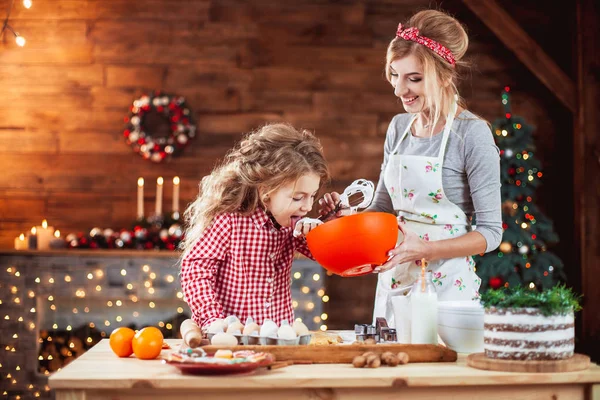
(239, 244)
(440, 168)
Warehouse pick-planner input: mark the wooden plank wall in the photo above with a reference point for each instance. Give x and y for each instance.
(314, 63)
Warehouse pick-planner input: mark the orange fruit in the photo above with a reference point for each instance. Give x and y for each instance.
(147, 343)
(120, 341)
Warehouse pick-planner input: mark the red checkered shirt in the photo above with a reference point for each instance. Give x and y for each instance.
(241, 266)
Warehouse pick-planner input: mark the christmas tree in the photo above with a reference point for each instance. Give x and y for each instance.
(522, 257)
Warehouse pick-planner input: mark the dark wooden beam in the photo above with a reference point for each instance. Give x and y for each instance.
(526, 50)
(586, 170)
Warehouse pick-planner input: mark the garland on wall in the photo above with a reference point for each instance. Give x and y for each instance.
(153, 234)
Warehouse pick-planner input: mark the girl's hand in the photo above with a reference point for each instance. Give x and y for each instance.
(328, 204)
(306, 225)
(411, 249)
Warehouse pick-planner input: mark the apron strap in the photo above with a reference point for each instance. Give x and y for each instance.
(447, 129)
(412, 119)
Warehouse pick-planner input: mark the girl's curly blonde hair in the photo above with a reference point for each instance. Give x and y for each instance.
(262, 162)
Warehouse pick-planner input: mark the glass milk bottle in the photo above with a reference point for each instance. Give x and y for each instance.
(424, 309)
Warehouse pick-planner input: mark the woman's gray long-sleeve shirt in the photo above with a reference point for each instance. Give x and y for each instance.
(470, 173)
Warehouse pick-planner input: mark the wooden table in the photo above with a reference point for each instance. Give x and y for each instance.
(99, 374)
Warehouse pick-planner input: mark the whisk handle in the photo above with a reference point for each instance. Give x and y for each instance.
(331, 213)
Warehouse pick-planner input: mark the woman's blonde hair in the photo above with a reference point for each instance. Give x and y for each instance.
(262, 162)
(439, 76)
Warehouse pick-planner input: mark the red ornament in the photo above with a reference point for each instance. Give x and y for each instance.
(504, 226)
(512, 171)
(495, 282)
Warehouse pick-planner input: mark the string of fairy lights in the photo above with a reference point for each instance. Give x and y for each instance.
(20, 40)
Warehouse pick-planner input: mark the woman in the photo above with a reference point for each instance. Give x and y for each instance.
(440, 168)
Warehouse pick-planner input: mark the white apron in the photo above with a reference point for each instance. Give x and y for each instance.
(415, 187)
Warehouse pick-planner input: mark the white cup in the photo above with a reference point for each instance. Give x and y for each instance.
(401, 306)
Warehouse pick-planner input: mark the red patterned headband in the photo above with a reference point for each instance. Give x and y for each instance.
(412, 34)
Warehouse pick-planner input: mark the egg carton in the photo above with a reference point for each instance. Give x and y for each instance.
(254, 340)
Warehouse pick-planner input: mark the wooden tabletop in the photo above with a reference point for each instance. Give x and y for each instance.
(99, 368)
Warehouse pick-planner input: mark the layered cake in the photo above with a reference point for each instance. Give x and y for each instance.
(527, 334)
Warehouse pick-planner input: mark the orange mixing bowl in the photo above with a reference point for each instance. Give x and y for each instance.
(354, 245)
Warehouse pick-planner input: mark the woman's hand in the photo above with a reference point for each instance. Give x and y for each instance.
(411, 249)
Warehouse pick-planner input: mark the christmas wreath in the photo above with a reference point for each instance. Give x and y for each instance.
(159, 126)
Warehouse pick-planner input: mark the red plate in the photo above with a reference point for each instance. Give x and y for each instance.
(198, 368)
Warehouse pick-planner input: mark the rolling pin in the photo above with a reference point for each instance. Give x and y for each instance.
(190, 333)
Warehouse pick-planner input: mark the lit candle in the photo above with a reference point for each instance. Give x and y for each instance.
(44, 235)
(20, 242)
(176, 195)
(159, 192)
(57, 242)
(140, 198)
(32, 239)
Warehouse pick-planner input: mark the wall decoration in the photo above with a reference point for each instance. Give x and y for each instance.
(159, 126)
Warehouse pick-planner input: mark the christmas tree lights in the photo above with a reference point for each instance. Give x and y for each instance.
(522, 257)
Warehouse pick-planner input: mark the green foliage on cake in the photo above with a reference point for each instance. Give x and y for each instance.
(553, 301)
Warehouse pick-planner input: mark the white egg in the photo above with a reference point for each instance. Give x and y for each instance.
(286, 332)
(268, 328)
(250, 328)
(216, 326)
(230, 320)
(235, 326)
(300, 328)
(224, 339)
